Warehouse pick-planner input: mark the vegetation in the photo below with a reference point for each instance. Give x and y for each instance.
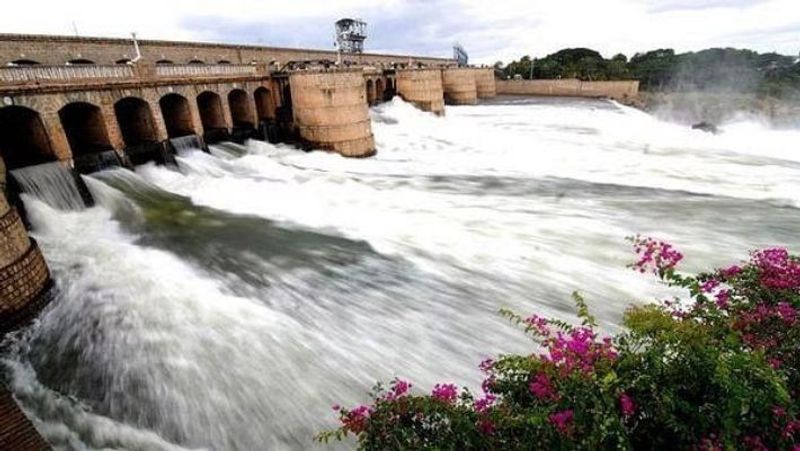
(719, 369)
(659, 70)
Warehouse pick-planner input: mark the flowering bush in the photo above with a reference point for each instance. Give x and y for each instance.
(719, 369)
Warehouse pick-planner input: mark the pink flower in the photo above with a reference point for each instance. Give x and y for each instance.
(542, 388)
(562, 420)
(626, 405)
(709, 285)
(730, 272)
(778, 270)
(487, 365)
(787, 313)
(539, 324)
(336, 407)
(445, 392)
(399, 388)
(654, 256)
(723, 298)
(484, 404)
(356, 420)
(578, 350)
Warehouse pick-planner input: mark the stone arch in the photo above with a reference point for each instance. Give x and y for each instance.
(223, 62)
(241, 111)
(23, 137)
(265, 106)
(135, 121)
(80, 62)
(177, 115)
(370, 92)
(164, 62)
(211, 113)
(25, 62)
(85, 128)
(123, 61)
(379, 92)
(196, 61)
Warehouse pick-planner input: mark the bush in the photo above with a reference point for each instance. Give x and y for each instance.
(716, 370)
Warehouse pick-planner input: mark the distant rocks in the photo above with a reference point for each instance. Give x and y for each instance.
(706, 127)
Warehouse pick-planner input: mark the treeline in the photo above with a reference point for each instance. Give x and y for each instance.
(664, 70)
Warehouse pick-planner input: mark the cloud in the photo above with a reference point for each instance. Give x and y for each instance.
(489, 30)
(657, 6)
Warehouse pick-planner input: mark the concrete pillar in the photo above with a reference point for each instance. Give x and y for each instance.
(459, 86)
(58, 138)
(422, 87)
(112, 126)
(251, 104)
(197, 121)
(24, 277)
(485, 83)
(330, 111)
(226, 111)
(159, 127)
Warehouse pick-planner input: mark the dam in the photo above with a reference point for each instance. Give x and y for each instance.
(209, 284)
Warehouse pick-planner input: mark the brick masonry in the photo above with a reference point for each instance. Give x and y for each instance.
(57, 50)
(17, 433)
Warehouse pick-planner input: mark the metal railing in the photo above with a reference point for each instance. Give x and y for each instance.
(24, 74)
(201, 70)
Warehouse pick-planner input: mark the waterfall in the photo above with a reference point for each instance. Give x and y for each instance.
(86, 164)
(227, 150)
(186, 143)
(52, 183)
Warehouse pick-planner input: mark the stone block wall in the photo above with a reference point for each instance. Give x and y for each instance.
(619, 90)
(24, 277)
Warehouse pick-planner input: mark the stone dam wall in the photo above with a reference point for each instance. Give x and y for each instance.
(58, 50)
(618, 90)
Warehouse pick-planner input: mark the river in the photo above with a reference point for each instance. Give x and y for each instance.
(228, 303)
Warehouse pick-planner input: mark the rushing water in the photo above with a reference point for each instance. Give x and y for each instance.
(226, 304)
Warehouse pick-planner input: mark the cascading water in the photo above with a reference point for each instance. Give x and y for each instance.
(184, 143)
(52, 183)
(228, 302)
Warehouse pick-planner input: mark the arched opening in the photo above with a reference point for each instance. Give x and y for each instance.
(135, 121)
(23, 138)
(265, 107)
(370, 92)
(223, 62)
(122, 61)
(177, 115)
(241, 112)
(379, 93)
(80, 62)
(197, 62)
(211, 115)
(163, 62)
(85, 129)
(24, 62)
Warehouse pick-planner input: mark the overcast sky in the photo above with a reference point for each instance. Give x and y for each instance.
(490, 30)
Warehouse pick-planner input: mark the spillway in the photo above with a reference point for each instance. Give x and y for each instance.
(227, 302)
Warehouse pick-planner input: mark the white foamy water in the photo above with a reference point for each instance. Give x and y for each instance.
(279, 282)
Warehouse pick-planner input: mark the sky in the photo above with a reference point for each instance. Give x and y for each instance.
(490, 30)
